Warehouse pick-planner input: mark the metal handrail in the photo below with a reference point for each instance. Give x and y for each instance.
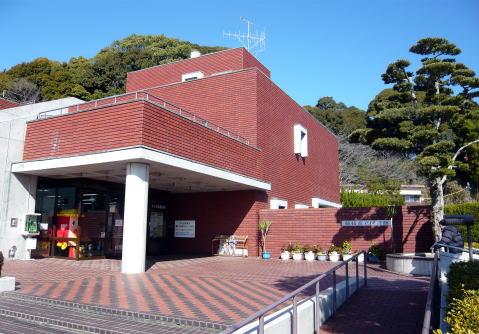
(440, 244)
(260, 315)
(430, 307)
(143, 95)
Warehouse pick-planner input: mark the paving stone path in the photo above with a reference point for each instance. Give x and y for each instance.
(175, 295)
(392, 303)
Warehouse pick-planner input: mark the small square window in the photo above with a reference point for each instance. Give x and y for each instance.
(300, 140)
(192, 76)
(278, 204)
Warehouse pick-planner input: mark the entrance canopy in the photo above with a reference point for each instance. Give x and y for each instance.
(167, 171)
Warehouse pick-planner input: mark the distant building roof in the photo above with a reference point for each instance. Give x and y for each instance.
(6, 104)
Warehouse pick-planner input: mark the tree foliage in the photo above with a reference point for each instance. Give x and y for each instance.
(22, 90)
(105, 73)
(337, 116)
(423, 119)
(360, 164)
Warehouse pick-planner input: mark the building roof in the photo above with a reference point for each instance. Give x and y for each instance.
(7, 104)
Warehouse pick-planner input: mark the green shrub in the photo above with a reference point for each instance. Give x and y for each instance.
(462, 275)
(374, 250)
(466, 209)
(463, 315)
(355, 199)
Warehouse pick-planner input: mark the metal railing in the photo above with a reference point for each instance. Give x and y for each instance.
(141, 95)
(293, 296)
(431, 314)
(469, 250)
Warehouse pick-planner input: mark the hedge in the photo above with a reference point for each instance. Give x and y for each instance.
(466, 209)
(463, 315)
(462, 275)
(354, 199)
(463, 298)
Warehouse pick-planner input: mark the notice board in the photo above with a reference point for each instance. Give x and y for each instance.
(184, 228)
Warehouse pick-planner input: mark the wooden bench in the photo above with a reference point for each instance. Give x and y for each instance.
(228, 244)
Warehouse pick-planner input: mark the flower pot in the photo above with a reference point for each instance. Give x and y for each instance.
(309, 256)
(334, 257)
(361, 257)
(347, 257)
(285, 255)
(266, 255)
(373, 259)
(322, 257)
(297, 256)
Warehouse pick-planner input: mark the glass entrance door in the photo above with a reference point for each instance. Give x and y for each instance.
(93, 223)
(114, 228)
(156, 244)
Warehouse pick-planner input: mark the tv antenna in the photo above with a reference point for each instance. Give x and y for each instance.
(254, 42)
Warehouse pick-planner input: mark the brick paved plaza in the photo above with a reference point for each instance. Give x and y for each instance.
(190, 295)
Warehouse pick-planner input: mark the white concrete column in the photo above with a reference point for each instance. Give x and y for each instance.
(135, 217)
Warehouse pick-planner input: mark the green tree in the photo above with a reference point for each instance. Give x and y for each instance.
(105, 73)
(337, 116)
(435, 132)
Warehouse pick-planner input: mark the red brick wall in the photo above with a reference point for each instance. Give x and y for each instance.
(412, 229)
(250, 104)
(6, 104)
(138, 123)
(234, 212)
(234, 59)
(227, 100)
(294, 179)
(172, 133)
(85, 132)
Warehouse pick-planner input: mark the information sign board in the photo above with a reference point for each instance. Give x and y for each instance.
(384, 222)
(184, 228)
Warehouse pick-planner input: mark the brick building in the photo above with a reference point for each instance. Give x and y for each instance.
(7, 104)
(193, 149)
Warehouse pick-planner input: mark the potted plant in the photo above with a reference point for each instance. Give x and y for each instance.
(264, 230)
(309, 253)
(360, 257)
(373, 253)
(297, 252)
(286, 252)
(322, 256)
(334, 253)
(347, 250)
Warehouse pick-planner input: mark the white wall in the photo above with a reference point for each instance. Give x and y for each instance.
(281, 321)
(17, 191)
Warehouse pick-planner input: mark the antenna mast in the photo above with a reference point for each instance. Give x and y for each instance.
(253, 42)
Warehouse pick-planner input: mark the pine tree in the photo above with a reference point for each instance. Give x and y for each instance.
(436, 131)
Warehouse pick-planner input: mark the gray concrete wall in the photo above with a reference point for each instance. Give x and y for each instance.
(17, 192)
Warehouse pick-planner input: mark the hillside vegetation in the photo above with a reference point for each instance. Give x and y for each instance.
(104, 74)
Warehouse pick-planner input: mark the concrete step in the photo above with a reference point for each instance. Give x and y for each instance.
(84, 318)
(10, 325)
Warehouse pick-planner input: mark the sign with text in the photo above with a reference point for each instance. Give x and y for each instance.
(387, 222)
(184, 228)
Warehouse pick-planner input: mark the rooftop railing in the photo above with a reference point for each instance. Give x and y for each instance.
(293, 297)
(141, 95)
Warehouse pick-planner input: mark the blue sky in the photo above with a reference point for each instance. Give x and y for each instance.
(314, 48)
